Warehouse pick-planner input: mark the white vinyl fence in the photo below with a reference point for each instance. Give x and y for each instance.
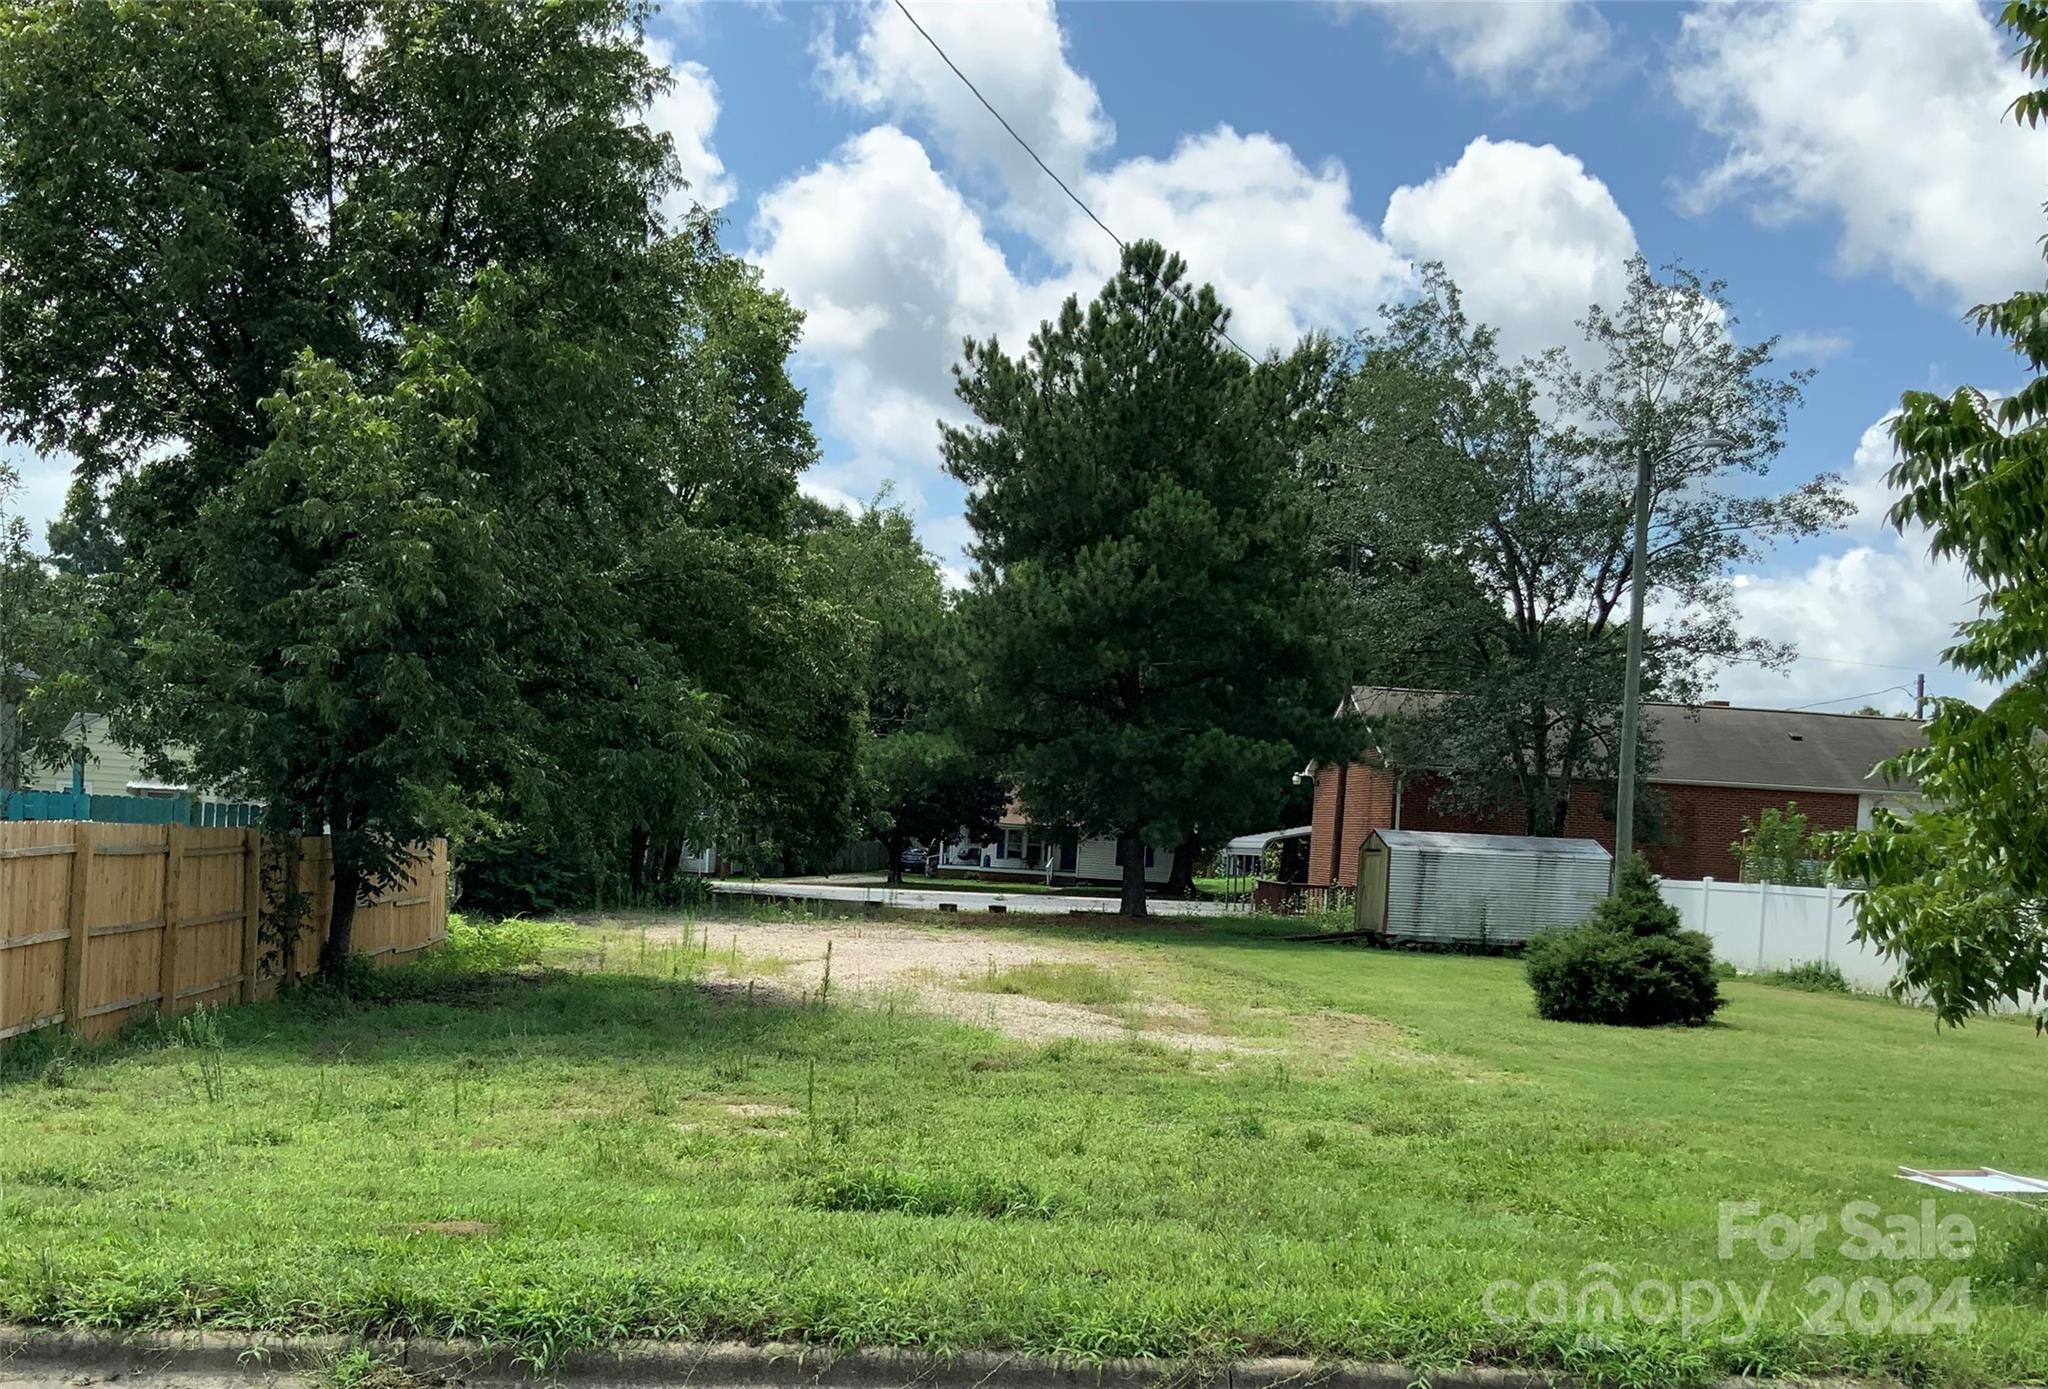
(1757, 926)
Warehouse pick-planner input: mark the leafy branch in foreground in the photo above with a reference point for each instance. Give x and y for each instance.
(1958, 894)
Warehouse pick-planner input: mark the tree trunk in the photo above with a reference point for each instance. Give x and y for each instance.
(636, 860)
(1134, 875)
(1180, 882)
(348, 884)
(893, 843)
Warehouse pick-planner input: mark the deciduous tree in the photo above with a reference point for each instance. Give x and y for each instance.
(1777, 847)
(919, 779)
(1481, 511)
(45, 677)
(445, 482)
(1958, 895)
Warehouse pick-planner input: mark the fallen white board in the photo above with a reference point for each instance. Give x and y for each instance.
(1978, 1181)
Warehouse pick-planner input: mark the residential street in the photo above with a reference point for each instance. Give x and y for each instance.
(941, 899)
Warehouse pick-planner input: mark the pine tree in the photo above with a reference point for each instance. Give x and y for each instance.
(1153, 642)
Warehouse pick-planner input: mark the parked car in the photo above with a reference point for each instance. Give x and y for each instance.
(914, 858)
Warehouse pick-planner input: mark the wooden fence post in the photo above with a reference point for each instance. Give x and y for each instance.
(252, 909)
(173, 914)
(78, 919)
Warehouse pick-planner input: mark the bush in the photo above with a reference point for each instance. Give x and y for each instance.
(1812, 976)
(1636, 908)
(1630, 964)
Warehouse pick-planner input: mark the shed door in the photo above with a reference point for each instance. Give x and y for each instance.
(1372, 886)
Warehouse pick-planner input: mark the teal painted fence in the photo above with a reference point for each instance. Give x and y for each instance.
(129, 810)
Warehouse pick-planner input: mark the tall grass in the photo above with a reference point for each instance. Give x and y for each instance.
(1055, 982)
(554, 1139)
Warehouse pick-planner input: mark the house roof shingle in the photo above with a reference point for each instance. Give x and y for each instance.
(1722, 745)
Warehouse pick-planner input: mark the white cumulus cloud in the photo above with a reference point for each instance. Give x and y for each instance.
(935, 227)
(1864, 617)
(1886, 120)
(894, 270)
(687, 113)
(1530, 237)
(1278, 239)
(1512, 48)
(1016, 54)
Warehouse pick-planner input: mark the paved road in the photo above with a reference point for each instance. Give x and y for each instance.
(46, 1376)
(941, 899)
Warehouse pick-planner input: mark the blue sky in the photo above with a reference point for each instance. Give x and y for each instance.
(1844, 167)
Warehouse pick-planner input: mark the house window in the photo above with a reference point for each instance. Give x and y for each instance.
(1020, 843)
(1120, 854)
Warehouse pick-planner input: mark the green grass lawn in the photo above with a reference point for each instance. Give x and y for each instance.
(596, 1146)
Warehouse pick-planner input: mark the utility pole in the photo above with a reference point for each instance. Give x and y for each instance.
(1920, 696)
(1632, 685)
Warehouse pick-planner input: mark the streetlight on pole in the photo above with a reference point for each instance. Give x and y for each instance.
(1632, 683)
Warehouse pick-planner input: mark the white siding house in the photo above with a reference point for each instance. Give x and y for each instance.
(1021, 849)
(111, 769)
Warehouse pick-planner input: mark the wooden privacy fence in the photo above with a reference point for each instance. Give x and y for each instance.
(100, 922)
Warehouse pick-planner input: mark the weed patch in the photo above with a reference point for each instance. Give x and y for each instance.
(1809, 976)
(1055, 982)
(885, 1189)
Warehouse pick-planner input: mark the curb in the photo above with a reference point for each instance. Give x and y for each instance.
(709, 1366)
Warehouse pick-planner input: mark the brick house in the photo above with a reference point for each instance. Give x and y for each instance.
(1717, 766)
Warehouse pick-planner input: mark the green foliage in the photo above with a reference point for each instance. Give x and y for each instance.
(385, 625)
(1629, 965)
(200, 1036)
(2019, 1262)
(886, 1189)
(1958, 896)
(437, 479)
(1138, 511)
(359, 1368)
(488, 946)
(1587, 975)
(1809, 976)
(1636, 907)
(919, 780)
(1778, 848)
(1481, 511)
(45, 678)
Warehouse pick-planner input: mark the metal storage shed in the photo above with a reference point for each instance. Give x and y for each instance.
(1476, 888)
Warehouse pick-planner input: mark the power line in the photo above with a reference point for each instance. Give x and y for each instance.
(1021, 142)
(1829, 660)
(1025, 145)
(1867, 694)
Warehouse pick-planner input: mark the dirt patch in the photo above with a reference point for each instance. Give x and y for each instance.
(760, 1111)
(931, 971)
